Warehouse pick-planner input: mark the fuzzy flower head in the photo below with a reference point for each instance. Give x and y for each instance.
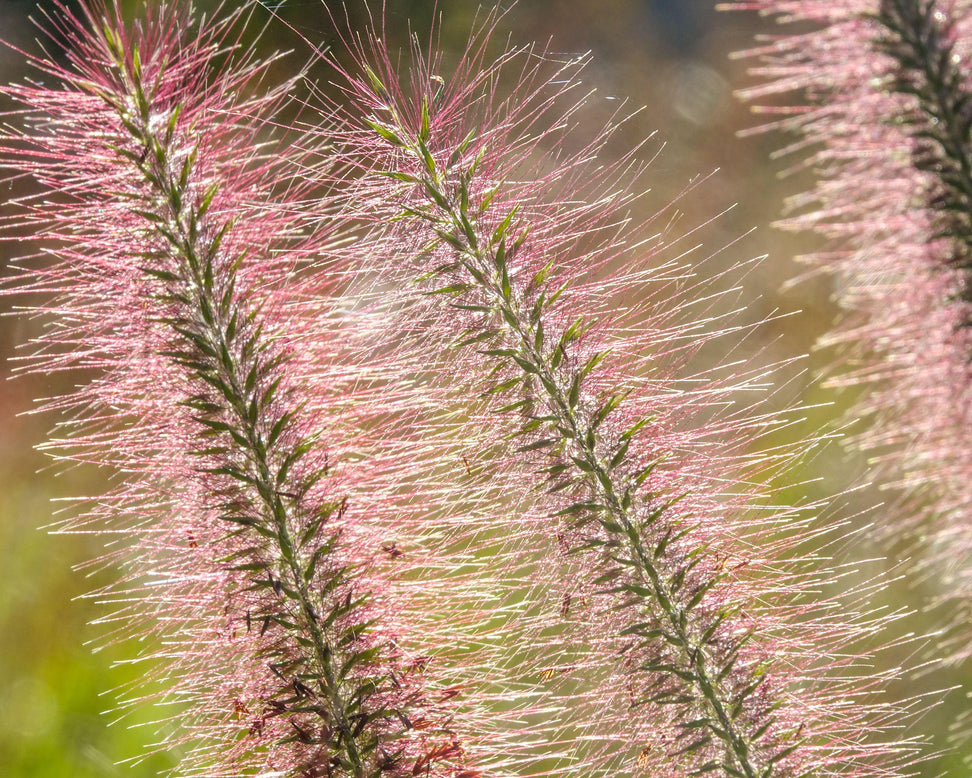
(880, 91)
(181, 277)
(514, 233)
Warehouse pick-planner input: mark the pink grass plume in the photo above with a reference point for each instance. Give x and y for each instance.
(180, 274)
(877, 95)
(514, 235)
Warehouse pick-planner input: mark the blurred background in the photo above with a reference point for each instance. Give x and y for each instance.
(671, 56)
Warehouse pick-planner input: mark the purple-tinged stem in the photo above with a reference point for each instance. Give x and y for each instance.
(459, 154)
(318, 690)
(921, 39)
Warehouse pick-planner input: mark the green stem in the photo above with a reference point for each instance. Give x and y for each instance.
(919, 41)
(209, 329)
(454, 222)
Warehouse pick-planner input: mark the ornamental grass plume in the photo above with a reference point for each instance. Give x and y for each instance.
(512, 238)
(405, 483)
(177, 270)
(878, 93)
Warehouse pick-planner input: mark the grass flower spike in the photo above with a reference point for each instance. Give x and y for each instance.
(880, 93)
(178, 259)
(519, 246)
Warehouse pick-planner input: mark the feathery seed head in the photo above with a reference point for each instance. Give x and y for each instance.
(880, 91)
(176, 246)
(507, 226)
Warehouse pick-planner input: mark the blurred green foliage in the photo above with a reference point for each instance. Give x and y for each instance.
(53, 690)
